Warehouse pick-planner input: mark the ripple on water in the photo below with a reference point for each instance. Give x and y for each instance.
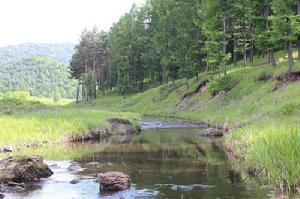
(58, 186)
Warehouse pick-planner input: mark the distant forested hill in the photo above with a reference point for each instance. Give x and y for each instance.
(43, 76)
(60, 52)
(39, 68)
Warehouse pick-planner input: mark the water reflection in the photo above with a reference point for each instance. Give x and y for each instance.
(163, 163)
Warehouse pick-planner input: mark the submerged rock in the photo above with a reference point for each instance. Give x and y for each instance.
(77, 180)
(2, 190)
(23, 169)
(74, 167)
(113, 181)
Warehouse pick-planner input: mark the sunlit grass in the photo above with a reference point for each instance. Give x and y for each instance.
(270, 141)
(272, 151)
(53, 125)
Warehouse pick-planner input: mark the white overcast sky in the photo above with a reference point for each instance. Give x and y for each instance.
(56, 21)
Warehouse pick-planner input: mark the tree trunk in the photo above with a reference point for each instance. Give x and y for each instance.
(224, 43)
(298, 42)
(245, 57)
(290, 56)
(95, 78)
(251, 52)
(272, 58)
(234, 42)
(244, 37)
(77, 93)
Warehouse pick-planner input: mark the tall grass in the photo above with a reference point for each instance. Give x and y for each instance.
(273, 152)
(53, 125)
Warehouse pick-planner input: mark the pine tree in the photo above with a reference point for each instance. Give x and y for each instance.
(283, 19)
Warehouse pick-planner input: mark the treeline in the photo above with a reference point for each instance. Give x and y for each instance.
(39, 75)
(169, 39)
(61, 52)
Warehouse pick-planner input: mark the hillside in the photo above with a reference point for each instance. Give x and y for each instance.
(262, 111)
(43, 76)
(60, 52)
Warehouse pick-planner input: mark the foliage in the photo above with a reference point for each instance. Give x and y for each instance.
(42, 76)
(166, 40)
(225, 84)
(264, 76)
(60, 52)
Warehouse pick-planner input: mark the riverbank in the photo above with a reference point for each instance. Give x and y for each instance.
(33, 124)
(262, 111)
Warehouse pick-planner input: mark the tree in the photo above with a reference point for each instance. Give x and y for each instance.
(283, 20)
(216, 29)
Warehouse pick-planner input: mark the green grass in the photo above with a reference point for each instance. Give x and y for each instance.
(271, 150)
(269, 144)
(53, 124)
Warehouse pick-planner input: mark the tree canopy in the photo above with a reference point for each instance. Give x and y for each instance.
(165, 40)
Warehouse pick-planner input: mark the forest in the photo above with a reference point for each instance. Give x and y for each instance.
(40, 69)
(163, 41)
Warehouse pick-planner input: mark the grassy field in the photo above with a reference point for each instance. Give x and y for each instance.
(36, 120)
(265, 122)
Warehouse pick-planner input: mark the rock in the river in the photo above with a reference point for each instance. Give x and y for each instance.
(15, 184)
(122, 126)
(2, 190)
(77, 180)
(74, 167)
(23, 169)
(93, 163)
(113, 181)
(18, 188)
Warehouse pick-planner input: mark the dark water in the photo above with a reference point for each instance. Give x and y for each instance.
(163, 163)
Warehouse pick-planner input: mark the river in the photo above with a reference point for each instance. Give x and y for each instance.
(162, 162)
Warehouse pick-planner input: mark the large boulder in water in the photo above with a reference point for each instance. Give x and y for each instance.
(23, 169)
(113, 181)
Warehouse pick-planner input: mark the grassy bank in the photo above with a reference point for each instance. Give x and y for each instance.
(264, 117)
(23, 121)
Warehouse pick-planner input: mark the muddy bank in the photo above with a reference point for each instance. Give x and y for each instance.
(118, 126)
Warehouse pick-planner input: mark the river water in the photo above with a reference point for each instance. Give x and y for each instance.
(162, 163)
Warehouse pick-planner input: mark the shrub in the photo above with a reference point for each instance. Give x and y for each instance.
(225, 83)
(264, 76)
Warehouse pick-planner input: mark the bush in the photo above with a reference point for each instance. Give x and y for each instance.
(226, 83)
(264, 76)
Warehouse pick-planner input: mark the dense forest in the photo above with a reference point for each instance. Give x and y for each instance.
(37, 68)
(60, 52)
(166, 40)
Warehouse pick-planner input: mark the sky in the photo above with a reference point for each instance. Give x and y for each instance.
(56, 21)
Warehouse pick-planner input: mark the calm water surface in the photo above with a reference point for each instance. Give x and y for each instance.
(163, 163)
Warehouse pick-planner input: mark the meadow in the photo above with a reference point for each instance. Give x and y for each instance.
(25, 119)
